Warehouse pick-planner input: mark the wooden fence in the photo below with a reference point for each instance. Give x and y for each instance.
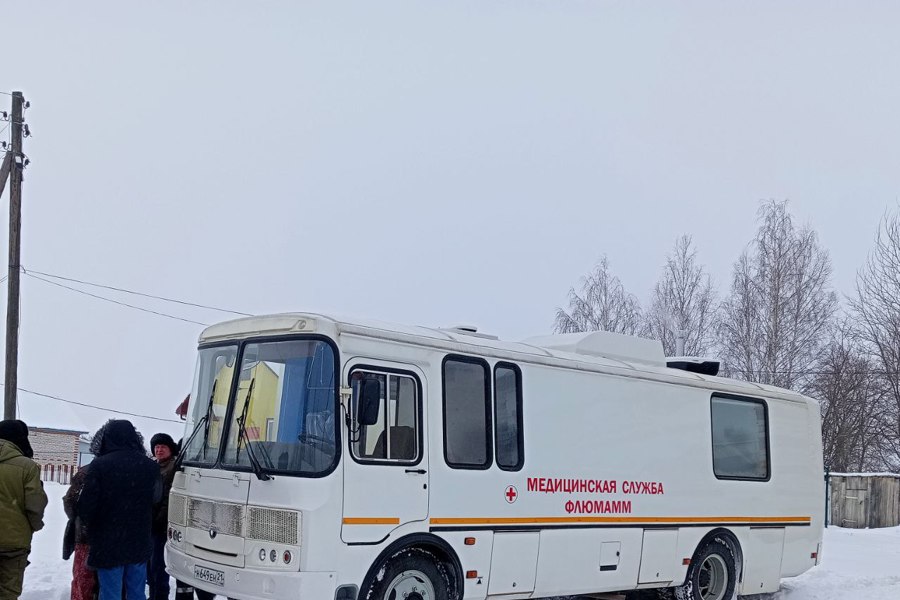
(864, 500)
(58, 473)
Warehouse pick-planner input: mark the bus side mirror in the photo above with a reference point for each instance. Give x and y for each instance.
(370, 402)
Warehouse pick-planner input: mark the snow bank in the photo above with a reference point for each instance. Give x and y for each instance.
(857, 564)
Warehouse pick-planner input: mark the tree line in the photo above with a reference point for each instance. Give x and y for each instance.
(780, 322)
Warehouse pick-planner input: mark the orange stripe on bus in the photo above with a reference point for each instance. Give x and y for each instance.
(585, 519)
(369, 521)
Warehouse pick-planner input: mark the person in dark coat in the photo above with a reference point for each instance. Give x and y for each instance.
(75, 542)
(22, 504)
(116, 505)
(165, 450)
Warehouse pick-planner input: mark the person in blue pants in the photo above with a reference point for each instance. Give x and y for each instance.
(116, 504)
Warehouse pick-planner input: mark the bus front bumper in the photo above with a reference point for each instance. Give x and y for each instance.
(251, 584)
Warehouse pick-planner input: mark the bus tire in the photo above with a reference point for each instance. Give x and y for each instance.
(413, 574)
(712, 574)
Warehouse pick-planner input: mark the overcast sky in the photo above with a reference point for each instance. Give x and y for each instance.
(420, 162)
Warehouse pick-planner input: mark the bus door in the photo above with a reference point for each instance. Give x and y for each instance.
(386, 467)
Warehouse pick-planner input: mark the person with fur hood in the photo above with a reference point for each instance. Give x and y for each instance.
(22, 504)
(116, 504)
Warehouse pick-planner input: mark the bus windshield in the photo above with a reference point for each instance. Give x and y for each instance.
(284, 408)
(212, 384)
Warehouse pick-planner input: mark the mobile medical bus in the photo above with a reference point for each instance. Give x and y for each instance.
(340, 459)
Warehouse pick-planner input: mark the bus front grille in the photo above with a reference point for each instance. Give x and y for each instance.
(272, 525)
(226, 519)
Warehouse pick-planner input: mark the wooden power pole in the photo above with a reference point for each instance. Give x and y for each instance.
(16, 164)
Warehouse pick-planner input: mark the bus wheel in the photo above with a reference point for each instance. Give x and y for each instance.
(711, 575)
(411, 574)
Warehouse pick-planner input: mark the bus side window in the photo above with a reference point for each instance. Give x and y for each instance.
(467, 413)
(740, 438)
(508, 416)
(394, 437)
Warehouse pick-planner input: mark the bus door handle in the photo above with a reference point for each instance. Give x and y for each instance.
(419, 471)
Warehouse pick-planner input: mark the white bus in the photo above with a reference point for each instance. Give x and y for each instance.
(348, 460)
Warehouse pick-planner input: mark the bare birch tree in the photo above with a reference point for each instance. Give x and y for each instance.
(602, 305)
(781, 305)
(850, 396)
(683, 299)
(876, 309)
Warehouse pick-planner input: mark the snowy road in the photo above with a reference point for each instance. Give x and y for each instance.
(856, 564)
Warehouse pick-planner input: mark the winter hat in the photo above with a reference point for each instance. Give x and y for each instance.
(166, 440)
(16, 432)
(117, 434)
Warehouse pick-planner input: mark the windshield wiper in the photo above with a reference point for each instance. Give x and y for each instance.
(242, 436)
(204, 420)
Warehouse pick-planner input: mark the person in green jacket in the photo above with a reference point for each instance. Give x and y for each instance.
(22, 504)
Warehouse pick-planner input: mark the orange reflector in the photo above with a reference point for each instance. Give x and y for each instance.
(686, 561)
(470, 541)
(471, 574)
(814, 555)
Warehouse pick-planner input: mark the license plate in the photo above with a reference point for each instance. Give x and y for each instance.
(209, 576)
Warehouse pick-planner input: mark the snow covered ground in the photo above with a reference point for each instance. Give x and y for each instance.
(856, 564)
(48, 576)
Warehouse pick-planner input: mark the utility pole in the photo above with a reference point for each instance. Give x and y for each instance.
(16, 165)
(672, 324)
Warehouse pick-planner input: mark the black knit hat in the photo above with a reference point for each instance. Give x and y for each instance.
(166, 440)
(16, 432)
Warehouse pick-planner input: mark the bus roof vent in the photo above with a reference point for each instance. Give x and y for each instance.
(468, 330)
(694, 364)
(605, 344)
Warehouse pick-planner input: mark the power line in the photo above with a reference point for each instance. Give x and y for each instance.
(103, 408)
(140, 308)
(127, 291)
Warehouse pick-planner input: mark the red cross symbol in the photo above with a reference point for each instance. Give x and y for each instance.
(511, 494)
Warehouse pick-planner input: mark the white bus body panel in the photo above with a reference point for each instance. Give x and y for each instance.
(584, 419)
